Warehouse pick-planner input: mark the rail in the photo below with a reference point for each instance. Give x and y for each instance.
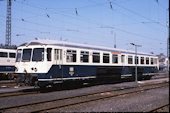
(80, 99)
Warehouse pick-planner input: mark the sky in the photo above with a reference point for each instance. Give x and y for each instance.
(94, 22)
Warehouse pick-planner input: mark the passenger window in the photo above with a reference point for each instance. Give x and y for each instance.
(136, 60)
(130, 60)
(49, 54)
(114, 58)
(105, 58)
(4, 54)
(147, 60)
(71, 56)
(142, 60)
(122, 58)
(155, 60)
(96, 57)
(12, 55)
(84, 56)
(152, 61)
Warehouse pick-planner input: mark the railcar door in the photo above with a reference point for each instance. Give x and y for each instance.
(58, 59)
(58, 56)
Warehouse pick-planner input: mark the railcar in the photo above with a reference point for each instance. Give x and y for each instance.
(51, 61)
(7, 63)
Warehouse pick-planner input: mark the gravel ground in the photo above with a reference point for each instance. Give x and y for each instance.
(160, 75)
(140, 102)
(11, 101)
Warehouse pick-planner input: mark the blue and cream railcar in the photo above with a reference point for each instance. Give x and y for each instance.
(54, 61)
(7, 62)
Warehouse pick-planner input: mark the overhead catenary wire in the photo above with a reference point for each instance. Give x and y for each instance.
(144, 17)
(87, 21)
(87, 6)
(100, 4)
(97, 23)
(139, 35)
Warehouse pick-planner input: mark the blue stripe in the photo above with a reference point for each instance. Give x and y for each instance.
(7, 69)
(85, 71)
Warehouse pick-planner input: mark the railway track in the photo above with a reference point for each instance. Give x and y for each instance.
(160, 109)
(36, 91)
(18, 93)
(7, 84)
(44, 106)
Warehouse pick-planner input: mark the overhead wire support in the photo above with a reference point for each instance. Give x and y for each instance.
(76, 11)
(8, 24)
(111, 5)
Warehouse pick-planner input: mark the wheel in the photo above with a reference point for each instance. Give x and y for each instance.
(10, 76)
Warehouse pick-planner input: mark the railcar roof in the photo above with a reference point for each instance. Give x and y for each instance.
(77, 45)
(8, 47)
(7, 50)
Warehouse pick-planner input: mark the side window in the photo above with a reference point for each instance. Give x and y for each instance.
(71, 56)
(56, 54)
(4, 54)
(84, 56)
(105, 58)
(142, 60)
(155, 61)
(12, 55)
(151, 61)
(49, 54)
(136, 60)
(122, 58)
(130, 60)
(147, 60)
(96, 57)
(114, 58)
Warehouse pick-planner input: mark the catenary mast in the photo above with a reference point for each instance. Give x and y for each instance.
(8, 24)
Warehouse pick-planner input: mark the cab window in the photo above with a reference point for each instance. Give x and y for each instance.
(19, 53)
(26, 55)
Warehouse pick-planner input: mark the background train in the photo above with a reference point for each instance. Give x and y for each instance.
(51, 61)
(7, 62)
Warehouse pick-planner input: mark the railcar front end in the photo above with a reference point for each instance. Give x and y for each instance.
(7, 63)
(33, 61)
